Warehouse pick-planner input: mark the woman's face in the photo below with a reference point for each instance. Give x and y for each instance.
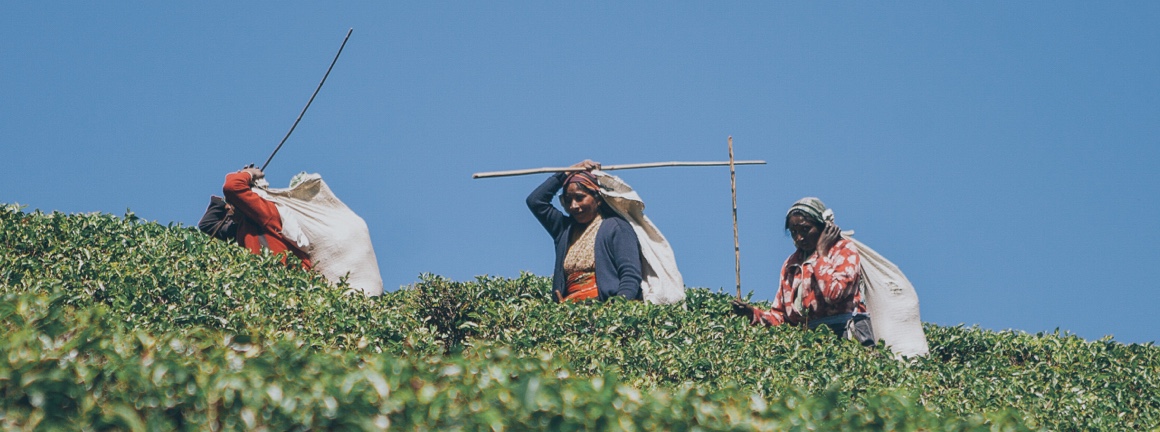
(805, 234)
(581, 205)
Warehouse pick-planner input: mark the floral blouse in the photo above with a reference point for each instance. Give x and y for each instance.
(827, 285)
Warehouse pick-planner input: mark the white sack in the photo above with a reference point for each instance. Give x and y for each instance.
(336, 238)
(661, 282)
(892, 303)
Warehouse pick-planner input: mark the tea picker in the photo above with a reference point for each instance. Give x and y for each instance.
(220, 216)
(660, 280)
(305, 219)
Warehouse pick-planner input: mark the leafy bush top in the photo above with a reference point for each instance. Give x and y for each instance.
(121, 280)
(68, 369)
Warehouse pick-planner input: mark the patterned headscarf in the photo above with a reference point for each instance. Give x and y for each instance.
(814, 210)
(586, 181)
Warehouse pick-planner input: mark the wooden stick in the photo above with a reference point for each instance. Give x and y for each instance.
(609, 168)
(736, 244)
(316, 89)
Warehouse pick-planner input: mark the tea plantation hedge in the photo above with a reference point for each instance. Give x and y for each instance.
(115, 323)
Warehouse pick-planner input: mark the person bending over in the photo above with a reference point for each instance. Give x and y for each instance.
(259, 224)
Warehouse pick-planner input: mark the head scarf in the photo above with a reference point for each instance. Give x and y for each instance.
(586, 181)
(813, 209)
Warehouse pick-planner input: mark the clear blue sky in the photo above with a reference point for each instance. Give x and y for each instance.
(1002, 153)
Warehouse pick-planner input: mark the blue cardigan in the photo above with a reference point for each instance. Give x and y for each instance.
(617, 248)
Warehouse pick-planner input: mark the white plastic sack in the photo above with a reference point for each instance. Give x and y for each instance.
(336, 238)
(892, 303)
(661, 282)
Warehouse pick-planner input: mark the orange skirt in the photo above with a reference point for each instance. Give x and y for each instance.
(581, 286)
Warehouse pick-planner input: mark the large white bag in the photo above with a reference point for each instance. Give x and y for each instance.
(892, 303)
(337, 239)
(661, 282)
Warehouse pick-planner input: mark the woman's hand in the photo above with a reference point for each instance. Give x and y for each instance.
(255, 173)
(740, 307)
(587, 164)
(830, 235)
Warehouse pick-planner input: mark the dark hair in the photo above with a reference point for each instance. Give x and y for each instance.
(603, 208)
(564, 191)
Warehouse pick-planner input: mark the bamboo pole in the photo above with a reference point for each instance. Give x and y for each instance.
(316, 89)
(609, 168)
(736, 243)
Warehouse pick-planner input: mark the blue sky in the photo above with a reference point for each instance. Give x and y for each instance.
(1001, 153)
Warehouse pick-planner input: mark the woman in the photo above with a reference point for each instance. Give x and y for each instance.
(820, 281)
(259, 223)
(597, 252)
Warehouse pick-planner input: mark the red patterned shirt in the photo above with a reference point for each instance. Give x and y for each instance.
(829, 286)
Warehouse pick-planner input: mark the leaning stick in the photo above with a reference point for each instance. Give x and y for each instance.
(609, 168)
(316, 89)
(736, 244)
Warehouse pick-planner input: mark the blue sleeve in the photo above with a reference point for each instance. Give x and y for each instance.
(540, 203)
(626, 257)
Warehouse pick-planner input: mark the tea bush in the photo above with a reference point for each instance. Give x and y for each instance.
(96, 304)
(73, 369)
(1060, 382)
(160, 278)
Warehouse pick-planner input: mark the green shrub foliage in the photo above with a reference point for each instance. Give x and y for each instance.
(161, 278)
(69, 369)
(115, 323)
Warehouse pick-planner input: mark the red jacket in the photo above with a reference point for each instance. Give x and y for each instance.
(258, 217)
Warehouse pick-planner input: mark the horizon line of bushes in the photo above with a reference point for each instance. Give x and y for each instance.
(171, 282)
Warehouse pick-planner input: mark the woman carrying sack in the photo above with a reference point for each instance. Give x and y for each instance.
(820, 281)
(597, 252)
(259, 223)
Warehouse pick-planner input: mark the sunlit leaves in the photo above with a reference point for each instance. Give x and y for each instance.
(115, 323)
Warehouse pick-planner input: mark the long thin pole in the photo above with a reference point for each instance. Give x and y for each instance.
(608, 168)
(320, 83)
(736, 244)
